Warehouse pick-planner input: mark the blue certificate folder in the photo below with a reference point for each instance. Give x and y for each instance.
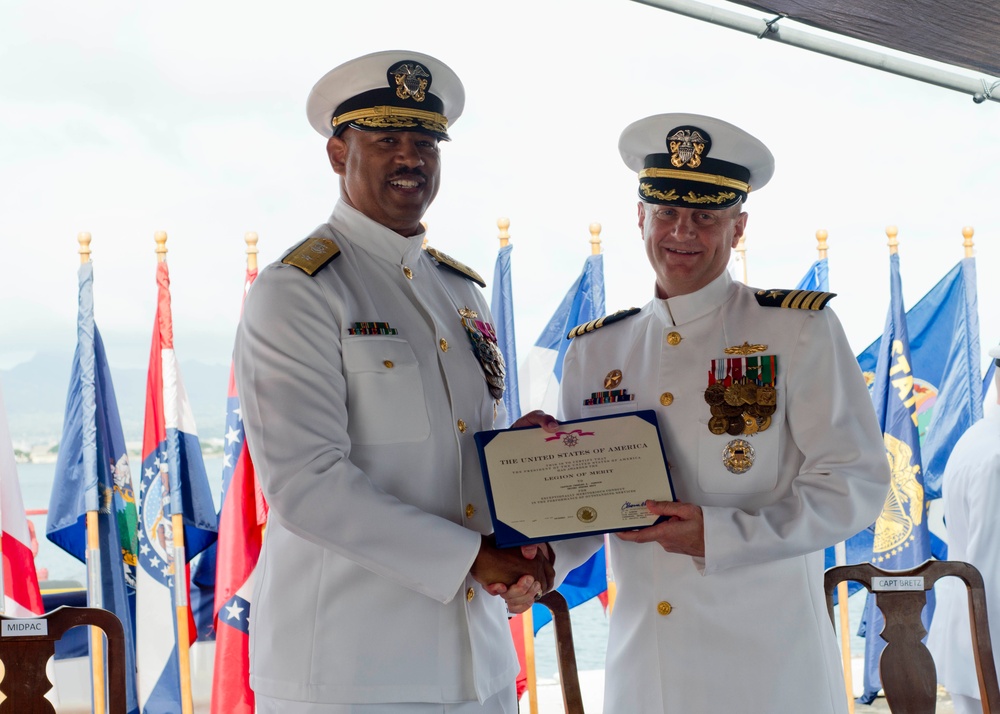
(572, 512)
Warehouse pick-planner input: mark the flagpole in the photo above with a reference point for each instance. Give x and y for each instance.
(251, 241)
(967, 233)
(821, 246)
(94, 598)
(840, 551)
(180, 561)
(892, 232)
(504, 236)
(595, 238)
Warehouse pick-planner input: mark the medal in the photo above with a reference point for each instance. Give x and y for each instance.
(486, 349)
(741, 395)
(738, 456)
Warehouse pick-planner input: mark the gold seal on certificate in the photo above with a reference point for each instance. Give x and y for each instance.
(591, 476)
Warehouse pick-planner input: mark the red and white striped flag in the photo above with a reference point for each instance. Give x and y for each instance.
(20, 581)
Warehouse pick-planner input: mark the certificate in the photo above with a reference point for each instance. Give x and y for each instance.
(592, 476)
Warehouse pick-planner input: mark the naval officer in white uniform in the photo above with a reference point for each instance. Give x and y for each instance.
(771, 439)
(971, 498)
(365, 365)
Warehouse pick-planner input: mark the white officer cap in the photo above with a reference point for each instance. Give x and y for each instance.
(694, 161)
(395, 90)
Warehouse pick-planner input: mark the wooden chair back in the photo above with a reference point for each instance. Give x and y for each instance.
(565, 651)
(906, 667)
(26, 644)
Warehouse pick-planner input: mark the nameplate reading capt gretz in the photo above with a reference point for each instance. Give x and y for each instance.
(592, 476)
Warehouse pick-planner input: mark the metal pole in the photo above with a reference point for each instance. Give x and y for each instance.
(979, 88)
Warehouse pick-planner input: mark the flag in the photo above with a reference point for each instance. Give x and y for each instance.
(901, 539)
(944, 343)
(817, 278)
(21, 595)
(93, 475)
(543, 369)
(241, 532)
(583, 302)
(503, 317)
(173, 481)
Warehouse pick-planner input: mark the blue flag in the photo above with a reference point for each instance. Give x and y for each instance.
(503, 315)
(945, 351)
(93, 475)
(583, 302)
(900, 539)
(817, 278)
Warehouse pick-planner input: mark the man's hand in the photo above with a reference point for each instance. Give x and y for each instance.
(684, 533)
(501, 569)
(526, 591)
(537, 418)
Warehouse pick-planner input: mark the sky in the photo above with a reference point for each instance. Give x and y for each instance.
(123, 119)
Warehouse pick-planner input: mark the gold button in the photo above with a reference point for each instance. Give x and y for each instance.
(388, 364)
(666, 399)
(469, 594)
(673, 339)
(444, 345)
(664, 608)
(470, 511)
(408, 273)
(461, 426)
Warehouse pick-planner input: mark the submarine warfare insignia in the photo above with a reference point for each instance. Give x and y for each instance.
(741, 395)
(487, 351)
(738, 456)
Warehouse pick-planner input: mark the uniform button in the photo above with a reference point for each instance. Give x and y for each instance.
(388, 364)
(673, 339)
(408, 273)
(444, 345)
(666, 399)
(470, 511)
(461, 426)
(664, 607)
(469, 594)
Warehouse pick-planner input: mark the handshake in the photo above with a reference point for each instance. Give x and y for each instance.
(518, 575)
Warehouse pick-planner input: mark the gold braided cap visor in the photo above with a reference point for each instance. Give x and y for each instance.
(388, 117)
(695, 176)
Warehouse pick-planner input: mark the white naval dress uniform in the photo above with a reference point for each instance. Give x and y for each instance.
(364, 447)
(745, 628)
(971, 496)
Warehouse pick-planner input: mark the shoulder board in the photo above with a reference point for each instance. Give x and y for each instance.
(796, 299)
(460, 268)
(601, 322)
(312, 254)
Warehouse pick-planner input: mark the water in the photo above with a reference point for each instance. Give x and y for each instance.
(36, 487)
(590, 623)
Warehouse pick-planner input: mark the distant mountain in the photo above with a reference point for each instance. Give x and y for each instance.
(35, 397)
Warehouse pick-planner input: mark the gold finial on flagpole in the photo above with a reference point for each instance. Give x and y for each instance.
(893, 244)
(503, 224)
(251, 240)
(595, 238)
(84, 240)
(821, 247)
(741, 255)
(161, 246)
(967, 233)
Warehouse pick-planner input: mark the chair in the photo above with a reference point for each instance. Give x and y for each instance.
(906, 667)
(565, 652)
(24, 657)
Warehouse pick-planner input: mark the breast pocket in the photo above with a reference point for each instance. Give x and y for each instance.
(743, 463)
(385, 396)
